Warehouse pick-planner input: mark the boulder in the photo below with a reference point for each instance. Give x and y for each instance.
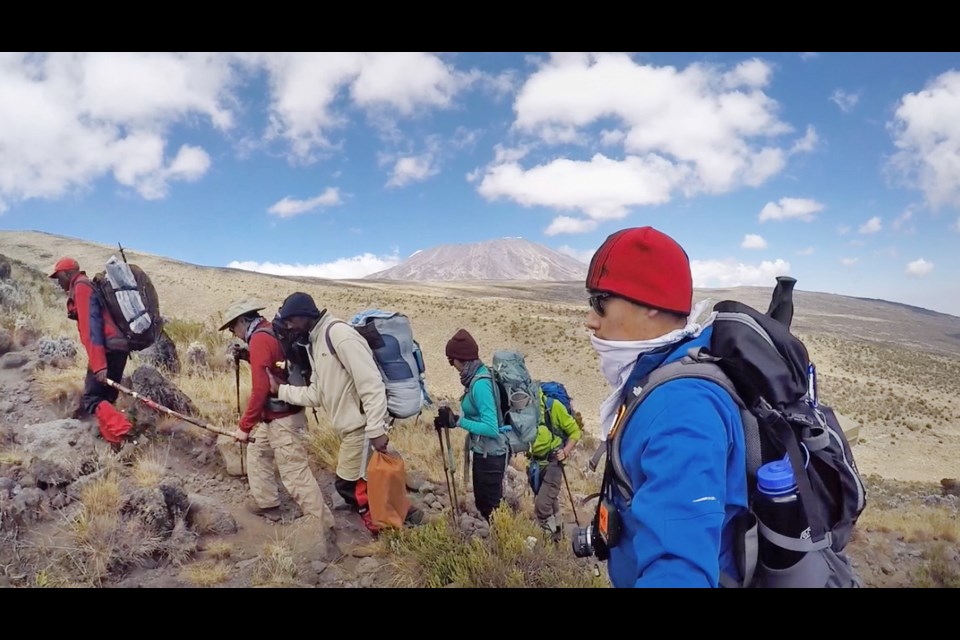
(162, 355)
(150, 383)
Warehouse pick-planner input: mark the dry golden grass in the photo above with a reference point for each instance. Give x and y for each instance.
(205, 573)
(150, 467)
(12, 456)
(101, 497)
(102, 539)
(219, 549)
(937, 571)
(62, 387)
(47, 579)
(917, 523)
(215, 394)
(275, 565)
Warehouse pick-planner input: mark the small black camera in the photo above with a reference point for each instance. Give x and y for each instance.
(597, 538)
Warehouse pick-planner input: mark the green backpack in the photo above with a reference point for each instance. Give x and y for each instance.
(519, 404)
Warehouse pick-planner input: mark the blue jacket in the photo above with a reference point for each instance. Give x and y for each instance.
(684, 452)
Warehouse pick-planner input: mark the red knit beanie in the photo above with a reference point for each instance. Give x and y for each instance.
(463, 347)
(646, 266)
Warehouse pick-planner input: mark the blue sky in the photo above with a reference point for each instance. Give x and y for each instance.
(840, 169)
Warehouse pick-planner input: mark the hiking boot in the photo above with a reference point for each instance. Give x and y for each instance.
(273, 514)
(414, 517)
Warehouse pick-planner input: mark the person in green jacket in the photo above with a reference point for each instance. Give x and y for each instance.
(481, 419)
(556, 438)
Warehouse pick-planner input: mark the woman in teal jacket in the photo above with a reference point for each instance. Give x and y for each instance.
(480, 418)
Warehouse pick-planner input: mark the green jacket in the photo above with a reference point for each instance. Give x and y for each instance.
(564, 428)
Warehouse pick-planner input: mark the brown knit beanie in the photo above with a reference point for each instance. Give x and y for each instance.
(463, 347)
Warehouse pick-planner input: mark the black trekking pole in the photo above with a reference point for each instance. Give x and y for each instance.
(446, 473)
(573, 506)
(781, 302)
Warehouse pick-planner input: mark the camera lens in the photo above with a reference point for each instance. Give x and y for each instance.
(582, 542)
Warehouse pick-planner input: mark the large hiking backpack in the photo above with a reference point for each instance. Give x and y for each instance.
(297, 364)
(767, 372)
(132, 302)
(295, 353)
(519, 403)
(555, 392)
(398, 357)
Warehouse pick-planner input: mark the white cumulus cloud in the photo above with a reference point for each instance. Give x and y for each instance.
(846, 101)
(700, 129)
(871, 226)
(340, 269)
(926, 132)
(730, 273)
(566, 224)
(753, 241)
(791, 208)
(412, 169)
(69, 119)
(919, 267)
(290, 207)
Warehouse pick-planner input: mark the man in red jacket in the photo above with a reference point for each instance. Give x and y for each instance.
(107, 350)
(279, 426)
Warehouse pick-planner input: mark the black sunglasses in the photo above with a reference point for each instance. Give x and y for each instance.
(596, 301)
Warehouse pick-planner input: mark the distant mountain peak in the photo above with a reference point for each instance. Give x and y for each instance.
(509, 258)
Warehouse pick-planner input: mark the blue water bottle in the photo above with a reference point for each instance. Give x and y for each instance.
(777, 505)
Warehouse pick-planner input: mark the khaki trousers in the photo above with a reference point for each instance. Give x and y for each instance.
(281, 441)
(350, 454)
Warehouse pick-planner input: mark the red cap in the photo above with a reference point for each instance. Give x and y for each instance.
(646, 266)
(65, 264)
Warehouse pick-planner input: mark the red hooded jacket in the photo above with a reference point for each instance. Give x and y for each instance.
(98, 332)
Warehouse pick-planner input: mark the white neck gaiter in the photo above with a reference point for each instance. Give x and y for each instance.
(617, 358)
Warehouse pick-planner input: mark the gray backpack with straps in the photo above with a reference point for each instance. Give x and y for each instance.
(763, 368)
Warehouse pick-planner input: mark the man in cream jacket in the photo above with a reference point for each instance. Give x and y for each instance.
(346, 382)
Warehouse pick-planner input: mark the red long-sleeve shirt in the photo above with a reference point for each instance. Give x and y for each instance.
(265, 352)
(98, 331)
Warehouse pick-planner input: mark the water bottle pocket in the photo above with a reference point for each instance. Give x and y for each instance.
(811, 571)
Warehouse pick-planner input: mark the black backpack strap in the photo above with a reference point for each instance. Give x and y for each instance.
(597, 455)
(694, 365)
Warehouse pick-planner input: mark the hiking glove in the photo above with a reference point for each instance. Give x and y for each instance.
(238, 352)
(447, 418)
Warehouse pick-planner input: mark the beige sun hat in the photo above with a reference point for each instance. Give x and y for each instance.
(239, 308)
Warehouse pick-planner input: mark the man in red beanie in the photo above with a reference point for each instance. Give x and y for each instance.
(682, 448)
(107, 350)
